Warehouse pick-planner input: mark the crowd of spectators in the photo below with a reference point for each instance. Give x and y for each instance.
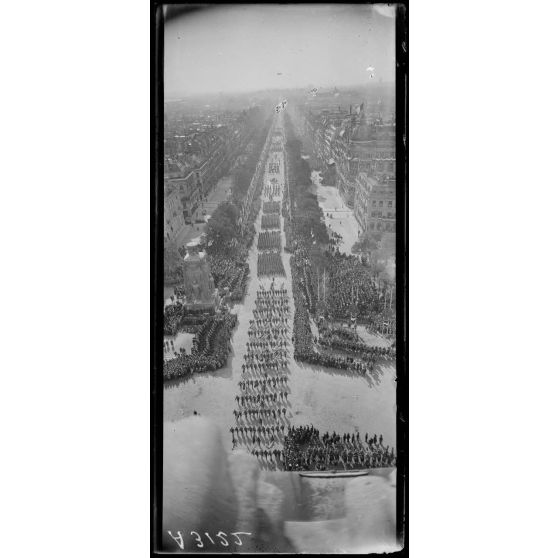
(230, 273)
(351, 290)
(324, 280)
(227, 245)
(210, 350)
(172, 318)
(340, 340)
(305, 277)
(289, 240)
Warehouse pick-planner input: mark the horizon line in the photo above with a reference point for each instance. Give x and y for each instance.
(255, 91)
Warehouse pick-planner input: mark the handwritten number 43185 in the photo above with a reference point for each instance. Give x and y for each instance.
(220, 535)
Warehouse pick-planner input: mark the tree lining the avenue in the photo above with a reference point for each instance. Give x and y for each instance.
(226, 244)
(328, 286)
(222, 228)
(256, 124)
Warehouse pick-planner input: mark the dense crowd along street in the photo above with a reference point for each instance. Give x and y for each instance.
(279, 349)
(287, 320)
(210, 349)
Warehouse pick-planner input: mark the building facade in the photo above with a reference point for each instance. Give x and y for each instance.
(190, 192)
(348, 143)
(198, 154)
(173, 215)
(363, 195)
(375, 204)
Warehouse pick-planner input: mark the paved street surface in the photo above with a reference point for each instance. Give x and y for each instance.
(181, 340)
(331, 400)
(342, 220)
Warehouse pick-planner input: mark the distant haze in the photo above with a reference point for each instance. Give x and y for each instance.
(244, 48)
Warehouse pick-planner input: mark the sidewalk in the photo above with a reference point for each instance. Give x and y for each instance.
(343, 220)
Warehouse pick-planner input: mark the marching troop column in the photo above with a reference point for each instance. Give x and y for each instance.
(261, 416)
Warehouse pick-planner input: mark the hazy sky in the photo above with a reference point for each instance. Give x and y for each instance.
(243, 48)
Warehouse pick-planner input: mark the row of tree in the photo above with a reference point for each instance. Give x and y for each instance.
(331, 277)
(308, 215)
